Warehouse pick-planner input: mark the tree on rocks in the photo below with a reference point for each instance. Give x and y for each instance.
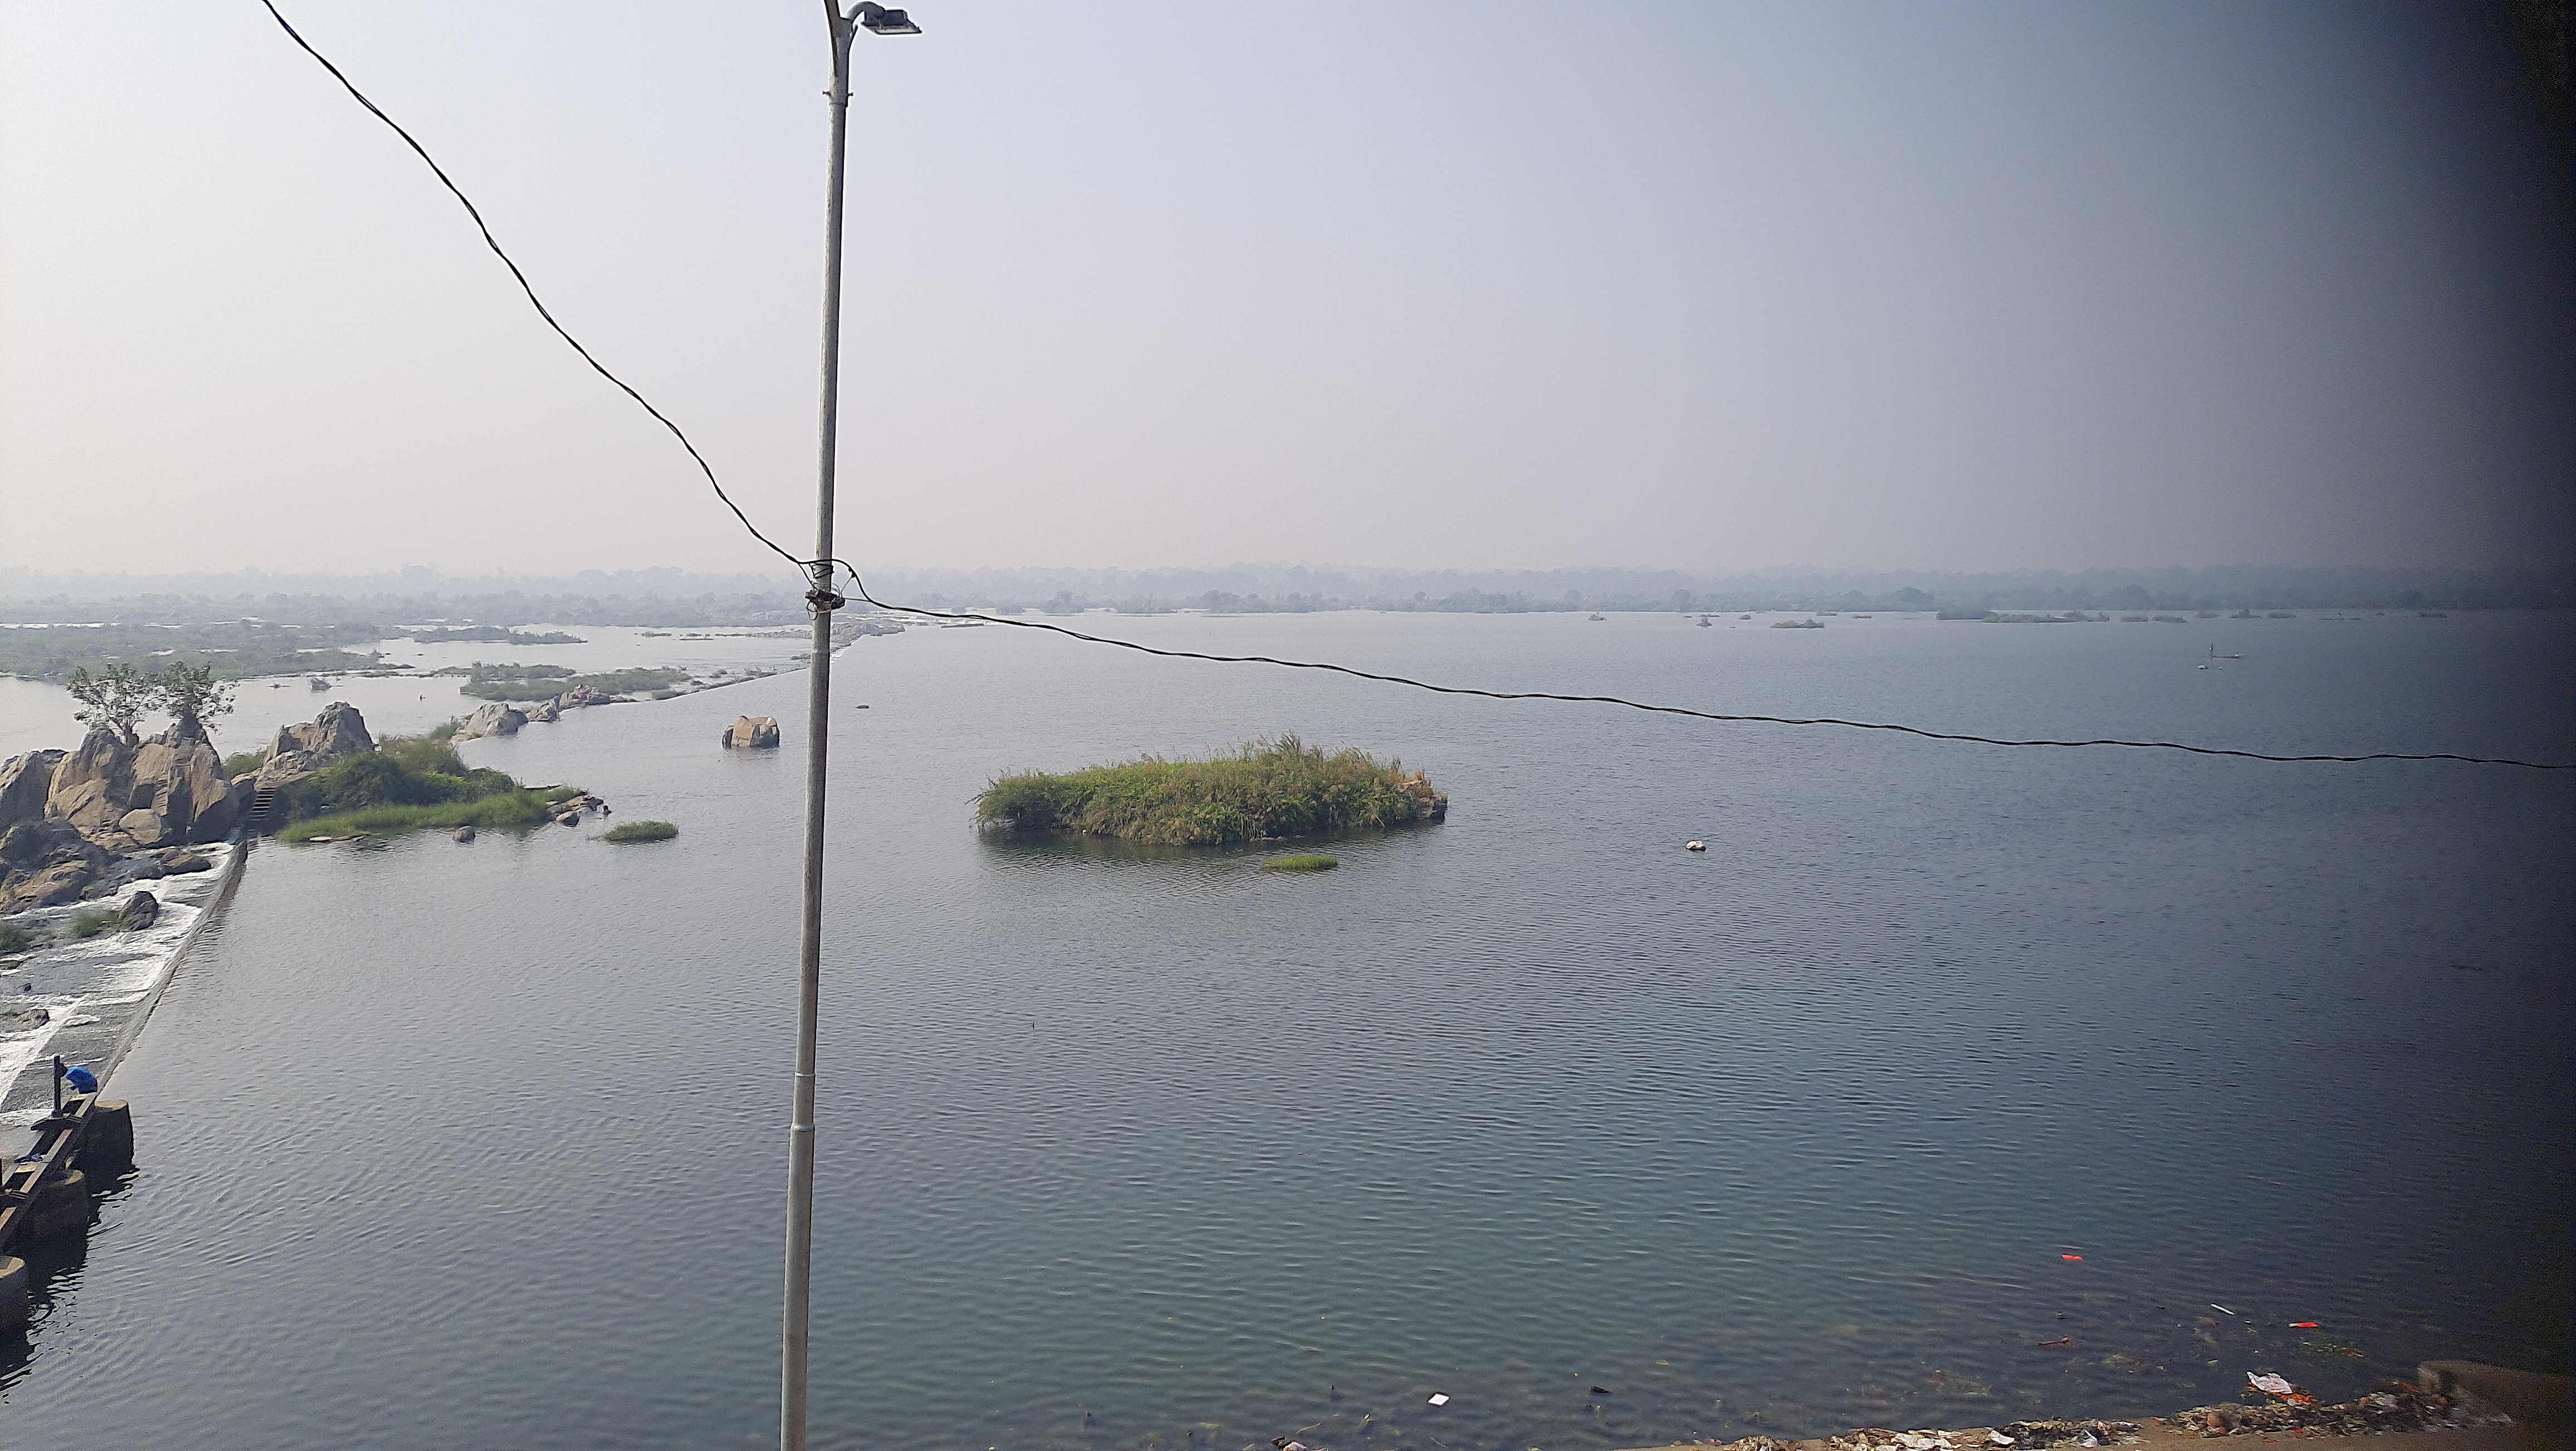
(192, 696)
(114, 699)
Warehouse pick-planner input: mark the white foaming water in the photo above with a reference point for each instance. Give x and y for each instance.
(72, 978)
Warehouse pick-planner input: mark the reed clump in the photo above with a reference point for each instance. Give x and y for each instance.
(1263, 791)
(642, 831)
(1304, 862)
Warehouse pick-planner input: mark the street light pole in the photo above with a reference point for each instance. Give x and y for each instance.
(824, 600)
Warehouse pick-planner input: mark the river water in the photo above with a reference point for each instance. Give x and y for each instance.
(482, 1145)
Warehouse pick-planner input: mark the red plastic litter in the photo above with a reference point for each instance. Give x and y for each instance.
(2303, 1325)
(2077, 1258)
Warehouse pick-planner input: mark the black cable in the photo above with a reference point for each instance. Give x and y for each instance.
(533, 301)
(822, 600)
(860, 588)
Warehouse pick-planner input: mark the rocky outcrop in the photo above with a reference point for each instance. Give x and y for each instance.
(751, 732)
(493, 718)
(1428, 805)
(91, 785)
(47, 863)
(141, 909)
(25, 781)
(168, 790)
(303, 750)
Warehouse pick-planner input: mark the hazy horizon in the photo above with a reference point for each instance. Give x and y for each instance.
(1976, 289)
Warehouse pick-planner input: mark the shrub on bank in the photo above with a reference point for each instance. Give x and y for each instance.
(642, 831)
(1267, 789)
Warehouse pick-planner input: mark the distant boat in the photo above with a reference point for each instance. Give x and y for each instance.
(1799, 625)
(2214, 655)
(1598, 617)
(1703, 622)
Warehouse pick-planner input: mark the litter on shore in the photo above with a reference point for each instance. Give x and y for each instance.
(2400, 1407)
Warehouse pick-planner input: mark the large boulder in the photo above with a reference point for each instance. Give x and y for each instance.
(492, 718)
(25, 782)
(749, 732)
(91, 786)
(47, 863)
(140, 910)
(178, 793)
(303, 750)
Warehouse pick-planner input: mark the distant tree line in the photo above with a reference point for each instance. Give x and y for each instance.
(259, 633)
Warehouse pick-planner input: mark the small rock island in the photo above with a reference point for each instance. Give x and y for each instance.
(1265, 791)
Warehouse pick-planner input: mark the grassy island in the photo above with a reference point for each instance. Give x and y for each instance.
(643, 831)
(1266, 790)
(405, 784)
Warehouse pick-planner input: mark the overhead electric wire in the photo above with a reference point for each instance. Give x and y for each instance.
(859, 586)
(525, 286)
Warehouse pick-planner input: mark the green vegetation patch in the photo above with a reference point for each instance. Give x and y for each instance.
(643, 831)
(15, 938)
(235, 650)
(541, 682)
(92, 923)
(1267, 789)
(514, 810)
(496, 635)
(409, 782)
(1306, 862)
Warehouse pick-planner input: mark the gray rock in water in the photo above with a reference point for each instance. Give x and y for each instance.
(140, 911)
(465, 833)
(751, 732)
(492, 718)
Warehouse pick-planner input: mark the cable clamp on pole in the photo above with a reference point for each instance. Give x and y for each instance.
(823, 601)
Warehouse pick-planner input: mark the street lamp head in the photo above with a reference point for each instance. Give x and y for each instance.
(879, 19)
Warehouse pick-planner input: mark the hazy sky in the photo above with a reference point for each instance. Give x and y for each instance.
(1692, 285)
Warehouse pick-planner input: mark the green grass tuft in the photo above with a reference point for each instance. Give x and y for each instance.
(14, 937)
(1308, 862)
(643, 831)
(92, 923)
(1266, 790)
(500, 812)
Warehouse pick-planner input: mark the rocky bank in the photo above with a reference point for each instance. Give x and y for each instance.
(77, 824)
